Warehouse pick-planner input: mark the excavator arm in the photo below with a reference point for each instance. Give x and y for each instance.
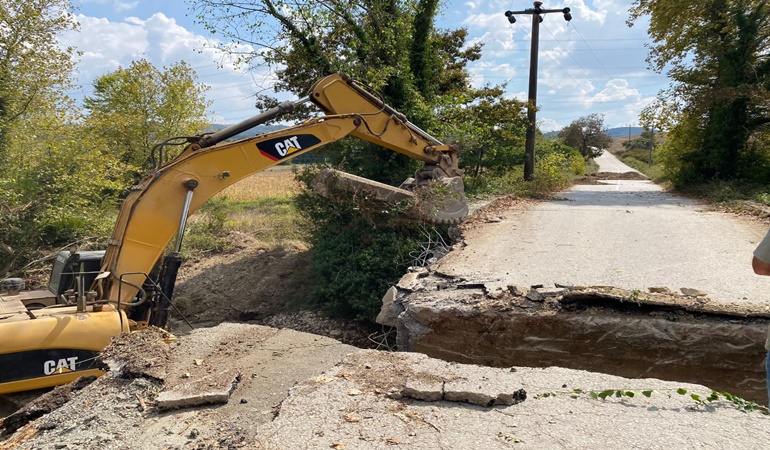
(59, 343)
(384, 126)
(156, 210)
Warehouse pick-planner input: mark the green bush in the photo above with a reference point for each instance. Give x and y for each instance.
(359, 248)
(208, 230)
(556, 165)
(66, 229)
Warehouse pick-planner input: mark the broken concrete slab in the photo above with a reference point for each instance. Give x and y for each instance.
(210, 389)
(553, 415)
(332, 396)
(626, 333)
(122, 413)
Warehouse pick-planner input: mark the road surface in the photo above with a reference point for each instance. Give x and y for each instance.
(623, 233)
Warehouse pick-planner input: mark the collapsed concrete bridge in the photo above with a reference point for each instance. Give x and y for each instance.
(665, 335)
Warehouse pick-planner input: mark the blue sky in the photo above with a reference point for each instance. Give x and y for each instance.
(594, 64)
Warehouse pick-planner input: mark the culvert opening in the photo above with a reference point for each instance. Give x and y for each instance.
(671, 337)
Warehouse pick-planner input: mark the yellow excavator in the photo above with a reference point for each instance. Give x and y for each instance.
(51, 337)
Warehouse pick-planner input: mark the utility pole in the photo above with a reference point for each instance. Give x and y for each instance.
(529, 148)
(652, 143)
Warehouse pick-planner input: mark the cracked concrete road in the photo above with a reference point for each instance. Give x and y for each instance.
(624, 233)
(332, 396)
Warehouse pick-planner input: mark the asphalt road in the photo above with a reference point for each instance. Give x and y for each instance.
(628, 234)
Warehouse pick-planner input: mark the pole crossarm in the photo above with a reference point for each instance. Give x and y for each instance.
(538, 11)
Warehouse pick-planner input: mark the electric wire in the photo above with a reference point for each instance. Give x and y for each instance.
(565, 49)
(591, 50)
(555, 62)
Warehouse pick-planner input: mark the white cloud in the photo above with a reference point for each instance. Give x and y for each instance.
(584, 13)
(547, 125)
(107, 45)
(124, 6)
(615, 91)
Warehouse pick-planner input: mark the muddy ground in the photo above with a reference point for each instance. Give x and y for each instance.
(259, 285)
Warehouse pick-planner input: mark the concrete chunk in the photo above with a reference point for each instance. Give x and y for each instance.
(390, 309)
(693, 292)
(207, 390)
(429, 389)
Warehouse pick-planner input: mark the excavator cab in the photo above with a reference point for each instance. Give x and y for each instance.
(73, 269)
(70, 271)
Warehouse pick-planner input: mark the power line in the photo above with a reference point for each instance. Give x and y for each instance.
(589, 47)
(558, 65)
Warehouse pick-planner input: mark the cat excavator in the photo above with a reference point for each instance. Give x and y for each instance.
(53, 336)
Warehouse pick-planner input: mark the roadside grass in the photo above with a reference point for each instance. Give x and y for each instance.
(639, 160)
(548, 179)
(269, 220)
(737, 196)
(260, 206)
(740, 197)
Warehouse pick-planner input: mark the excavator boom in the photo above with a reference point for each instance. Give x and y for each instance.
(155, 211)
(60, 341)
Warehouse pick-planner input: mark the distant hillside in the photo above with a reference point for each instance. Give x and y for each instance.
(613, 132)
(259, 129)
(624, 131)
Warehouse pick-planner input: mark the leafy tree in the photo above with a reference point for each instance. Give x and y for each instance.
(587, 134)
(488, 128)
(61, 178)
(32, 61)
(134, 108)
(56, 186)
(716, 52)
(34, 69)
(391, 46)
(645, 141)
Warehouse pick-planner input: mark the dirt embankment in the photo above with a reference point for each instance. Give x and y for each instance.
(259, 285)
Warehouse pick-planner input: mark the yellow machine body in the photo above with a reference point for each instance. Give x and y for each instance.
(56, 344)
(56, 347)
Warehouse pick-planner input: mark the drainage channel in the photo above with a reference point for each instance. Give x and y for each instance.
(607, 330)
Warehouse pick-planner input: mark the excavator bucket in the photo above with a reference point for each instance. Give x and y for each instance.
(439, 201)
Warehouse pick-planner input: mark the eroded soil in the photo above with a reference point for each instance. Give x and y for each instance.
(259, 285)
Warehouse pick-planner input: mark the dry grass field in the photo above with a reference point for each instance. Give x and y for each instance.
(276, 182)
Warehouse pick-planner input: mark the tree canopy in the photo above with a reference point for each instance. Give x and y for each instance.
(716, 53)
(587, 134)
(136, 107)
(64, 172)
(34, 66)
